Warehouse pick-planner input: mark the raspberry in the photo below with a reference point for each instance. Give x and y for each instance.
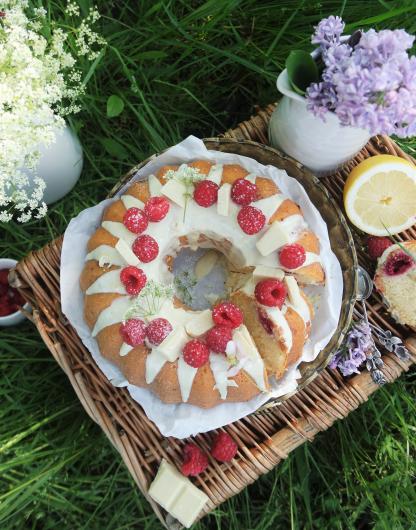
(157, 330)
(377, 245)
(135, 220)
(227, 314)
(265, 321)
(206, 193)
(156, 209)
(251, 220)
(243, 192)
(195, 353)
(146, 248)
(218, 337)
(133, 331)
(270, 292)
(133, 279)
(398, 263)
(195, 461)
(292, 256)
(224, 447)
(4, 276)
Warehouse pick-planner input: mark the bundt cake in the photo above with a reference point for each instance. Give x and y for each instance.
(226, 352)
(395, 279)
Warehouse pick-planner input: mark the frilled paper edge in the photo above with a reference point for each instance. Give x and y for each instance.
(184, 420)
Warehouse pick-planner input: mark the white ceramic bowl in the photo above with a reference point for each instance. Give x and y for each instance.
(14, 318)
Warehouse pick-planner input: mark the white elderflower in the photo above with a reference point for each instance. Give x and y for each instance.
(39, 85)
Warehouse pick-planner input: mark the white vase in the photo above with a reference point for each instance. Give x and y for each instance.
(322, 146)
(60, 165)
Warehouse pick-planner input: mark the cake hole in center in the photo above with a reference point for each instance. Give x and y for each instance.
(200, 277)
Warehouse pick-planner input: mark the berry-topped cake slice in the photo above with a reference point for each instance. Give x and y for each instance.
(395, 279)
(228, 351)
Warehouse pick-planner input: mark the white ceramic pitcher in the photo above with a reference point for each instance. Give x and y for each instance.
(322, 146)
(60, 165)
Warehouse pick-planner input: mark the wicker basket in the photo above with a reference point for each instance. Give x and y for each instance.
(265, 438)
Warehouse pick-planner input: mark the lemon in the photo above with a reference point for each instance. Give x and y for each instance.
(380, 195)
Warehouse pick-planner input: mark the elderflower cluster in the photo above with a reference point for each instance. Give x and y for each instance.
(39, 84)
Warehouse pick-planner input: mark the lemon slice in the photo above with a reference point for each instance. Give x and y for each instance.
(380, 195)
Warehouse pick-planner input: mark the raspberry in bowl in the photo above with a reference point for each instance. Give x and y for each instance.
(10, 298)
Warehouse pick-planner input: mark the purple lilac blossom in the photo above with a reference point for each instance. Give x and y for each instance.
(371, 86)
(358, 343)
(328, 31)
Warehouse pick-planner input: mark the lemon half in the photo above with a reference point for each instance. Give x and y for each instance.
(380, 195)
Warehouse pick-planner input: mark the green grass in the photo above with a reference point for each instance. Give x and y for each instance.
(184, 68)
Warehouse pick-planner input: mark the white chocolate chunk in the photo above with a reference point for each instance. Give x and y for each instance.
(155, 186)
(131, 202)
(296, 299)
(186, 376)
(188, 505)
(173, 344)
(274, 238)
(176, 494)
(200, 323)
(269, 205)
(175, 191)
(215, 173)
(224, 199)
(126, 252)
(206, 263)
(262, 271)
(107, 283)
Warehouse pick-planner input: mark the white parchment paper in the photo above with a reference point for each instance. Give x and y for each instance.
(184, 420)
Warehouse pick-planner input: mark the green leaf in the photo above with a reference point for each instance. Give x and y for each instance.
(151, 54)
(114, 148)
(301, 70)
(115, 106)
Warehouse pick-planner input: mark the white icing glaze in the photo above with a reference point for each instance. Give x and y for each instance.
(125, 349)
(296, 300)
(112, 314)
(246, 351)
(106, 256)
(269, 205)
(219, 366)
(277, 317)
(131, 202)
(186, 376)
(107, 283)
(154, 363)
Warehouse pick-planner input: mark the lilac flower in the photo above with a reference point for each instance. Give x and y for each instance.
(371, 86)
(358, 343)
(328, 31)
